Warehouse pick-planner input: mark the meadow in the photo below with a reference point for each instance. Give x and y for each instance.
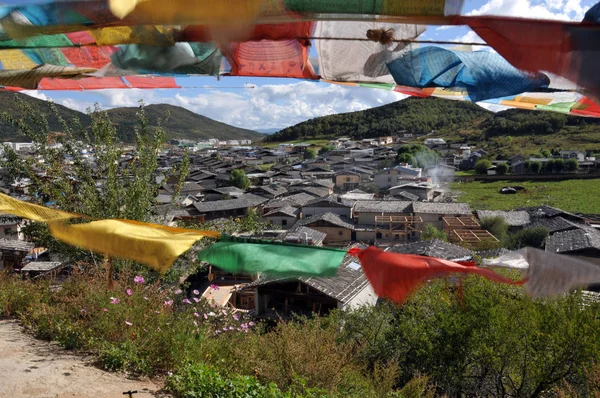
(578, 196)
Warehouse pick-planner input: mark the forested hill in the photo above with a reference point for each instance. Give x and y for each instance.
(416, 115)
(181, 123)
(456, 120)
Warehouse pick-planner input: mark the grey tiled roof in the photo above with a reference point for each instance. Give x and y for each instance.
(554, 224)
(16, 245)
(382, 206)
(331, 200)
(512, 218)
(317, 236)
(299, 199)
(346, 285)
(244, 201)
(228, 190)
(441, 208)
(329, 217)
(406, 195)
(433, 248)
(275, 191)
(577, 239)
(286, 210)
(317, 191)
(41, 266)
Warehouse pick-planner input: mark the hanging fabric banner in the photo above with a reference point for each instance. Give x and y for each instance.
(549, 274)
(366, 61)
(272, 258)
(157, 246)
(395, 276)
(482, 74)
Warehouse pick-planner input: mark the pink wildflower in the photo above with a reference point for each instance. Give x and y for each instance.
(217, 331)
(129, 292)
(196, 292)
(187, 301)
(214, 287)
(168, 303)
(145, 298)
(105, 309)
(128, 323)
(196, 315)
(114, 300)
(205, 315)
(196, 299)
(236, 317)
(225, 329)
(195, 323)
(211, 314)
(139, 279)
(231, 328)
(178, 291)
(224, 312)
(83, 311)
(251, 324)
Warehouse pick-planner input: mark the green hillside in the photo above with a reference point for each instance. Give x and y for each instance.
(181, 123)
(504, 133)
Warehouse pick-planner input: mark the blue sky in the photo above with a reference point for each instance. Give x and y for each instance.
(277, 103)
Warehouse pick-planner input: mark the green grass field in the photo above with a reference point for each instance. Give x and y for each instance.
(581, 196)
(318, 143)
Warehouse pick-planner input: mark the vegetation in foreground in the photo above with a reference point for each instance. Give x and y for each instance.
(489, 340)
(579, 196)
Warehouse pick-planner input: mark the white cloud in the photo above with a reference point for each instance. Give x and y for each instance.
(266, 106)
(550, 9)
(37, 94)
(445, 27)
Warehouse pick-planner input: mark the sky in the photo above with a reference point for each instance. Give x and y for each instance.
(267, 103)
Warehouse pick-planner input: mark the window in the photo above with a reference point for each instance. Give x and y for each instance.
(347, 179)
(340, 232)
(283, 223)
(389, 179)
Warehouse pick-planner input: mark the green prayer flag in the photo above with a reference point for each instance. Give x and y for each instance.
(273, 258)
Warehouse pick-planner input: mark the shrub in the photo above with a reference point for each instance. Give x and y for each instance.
(535, 167)
(572, 165)
(496, 226)
(502, 169)
(533, 237)
(309, 153)
(239, 179)
(430, 232)
(482, 165)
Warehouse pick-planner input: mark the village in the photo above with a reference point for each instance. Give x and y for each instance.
(353, 194)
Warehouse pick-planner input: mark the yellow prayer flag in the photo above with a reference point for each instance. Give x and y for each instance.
(31, 211)
(155, 245)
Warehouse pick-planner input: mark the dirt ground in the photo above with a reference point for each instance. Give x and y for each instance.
(33, 368)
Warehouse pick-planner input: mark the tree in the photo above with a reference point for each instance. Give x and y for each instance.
(430, 232)
(482, 165)
(545, 153)
(309, 153)
(502, 168)
(572, 165)
(369, 187)
(496, 226)
(549, 166)
(324, 150)
(559, 165)
(239, 179)
(535, 167)
(533, 237)
(407, 158)
(113, 184)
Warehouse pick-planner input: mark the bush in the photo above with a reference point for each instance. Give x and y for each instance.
(535, 167)
(482, 165)
(430, 232)
(572, 165)
(239, 179)
(496, 226)
(309, 153)
(502, 169)
(533, 237)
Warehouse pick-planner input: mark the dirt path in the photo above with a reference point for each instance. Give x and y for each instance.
(33, 368)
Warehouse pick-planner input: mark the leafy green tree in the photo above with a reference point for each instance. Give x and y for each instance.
(369, 187)
(324, 150)
(430, 232)
(113, 183)
(549, 166)
(535, 167)
(496, 226)
(559, 165)
(502, 168)
(407, 158)
(572, 165)
(528, 166)
(239, 179)
(545, 153)
(533, 236)
(309, 153)
(482, 165)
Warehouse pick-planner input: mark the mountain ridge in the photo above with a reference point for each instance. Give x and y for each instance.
(181, 123)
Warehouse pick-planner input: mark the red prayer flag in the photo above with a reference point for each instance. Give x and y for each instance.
(395, 276)
(151, 82)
